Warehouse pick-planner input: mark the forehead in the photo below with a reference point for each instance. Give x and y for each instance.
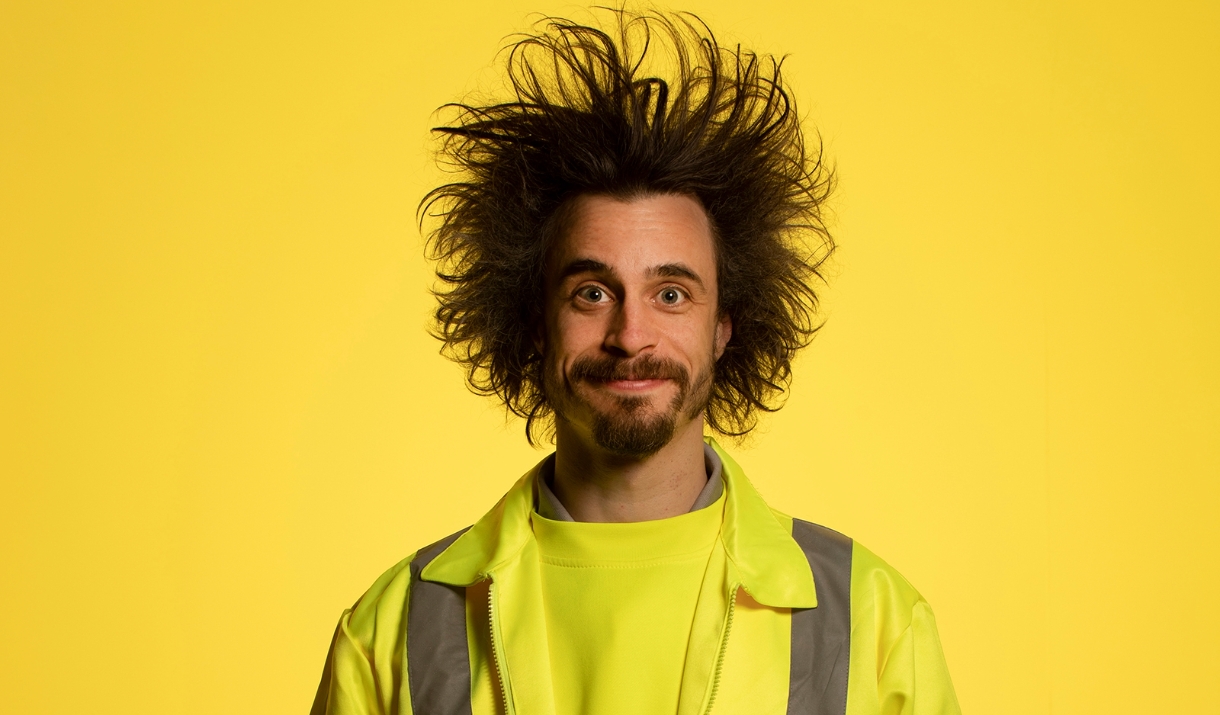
(635, 234)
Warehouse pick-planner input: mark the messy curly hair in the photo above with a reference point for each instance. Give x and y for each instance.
(587, 117)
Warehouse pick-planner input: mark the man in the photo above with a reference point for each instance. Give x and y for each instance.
(625, 261)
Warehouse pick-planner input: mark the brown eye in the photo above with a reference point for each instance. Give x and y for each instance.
(592, 294)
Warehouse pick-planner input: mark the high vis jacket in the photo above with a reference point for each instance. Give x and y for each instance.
(796, 618)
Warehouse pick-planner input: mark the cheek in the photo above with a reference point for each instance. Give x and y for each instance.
(697, 335)
(575, 333)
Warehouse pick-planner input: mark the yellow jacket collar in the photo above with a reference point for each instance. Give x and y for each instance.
(767, 561)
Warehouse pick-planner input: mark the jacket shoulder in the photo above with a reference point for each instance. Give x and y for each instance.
(875, 579)
(870, 574)
(814, 536)
(873, 582)
(384, 603)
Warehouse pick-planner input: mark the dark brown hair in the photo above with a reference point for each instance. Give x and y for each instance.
(586, 118)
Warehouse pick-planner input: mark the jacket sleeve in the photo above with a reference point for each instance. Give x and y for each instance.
(915, 678)
(897, 665)
(348, 686)
(363, 674)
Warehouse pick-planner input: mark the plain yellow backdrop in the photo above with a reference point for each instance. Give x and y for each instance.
(222, 417)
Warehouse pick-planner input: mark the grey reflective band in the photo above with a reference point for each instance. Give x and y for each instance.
(821, 637)
(438, 656)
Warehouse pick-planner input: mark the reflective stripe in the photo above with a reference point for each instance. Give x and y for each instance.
(438, 656)
(821, 637)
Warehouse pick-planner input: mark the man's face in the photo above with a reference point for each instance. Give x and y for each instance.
(632, 328)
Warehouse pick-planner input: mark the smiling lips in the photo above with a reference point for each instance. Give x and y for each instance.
(634, 385)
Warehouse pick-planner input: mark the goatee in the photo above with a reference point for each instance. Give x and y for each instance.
(626, 429)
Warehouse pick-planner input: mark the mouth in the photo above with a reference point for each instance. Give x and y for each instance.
(634, 385)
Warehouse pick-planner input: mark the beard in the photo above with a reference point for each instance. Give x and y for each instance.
(629, 428)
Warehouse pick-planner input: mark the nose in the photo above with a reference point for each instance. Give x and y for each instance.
(631, 329)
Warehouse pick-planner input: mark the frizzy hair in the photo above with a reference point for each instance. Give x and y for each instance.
(586, 118)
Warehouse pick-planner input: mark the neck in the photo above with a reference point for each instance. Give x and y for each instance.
(595, 485)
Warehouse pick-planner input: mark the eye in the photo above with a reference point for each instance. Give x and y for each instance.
(592, 294)
(671, 296)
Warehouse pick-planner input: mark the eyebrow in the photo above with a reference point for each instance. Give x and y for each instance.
(676, 270)
(665, 270)
(585, 265)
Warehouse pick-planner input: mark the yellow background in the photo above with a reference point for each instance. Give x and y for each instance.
(222, 418)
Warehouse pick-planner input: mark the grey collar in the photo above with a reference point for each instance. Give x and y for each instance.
(548, 505)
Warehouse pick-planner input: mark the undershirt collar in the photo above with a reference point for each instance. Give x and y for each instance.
(548, 505)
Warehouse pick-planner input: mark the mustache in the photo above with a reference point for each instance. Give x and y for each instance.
(648, 367)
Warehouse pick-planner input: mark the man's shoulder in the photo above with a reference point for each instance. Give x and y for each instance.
(798, 527)
(872, 578)
(880, 583)
(387, 597)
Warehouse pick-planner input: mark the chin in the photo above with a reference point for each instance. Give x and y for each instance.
(633, 436)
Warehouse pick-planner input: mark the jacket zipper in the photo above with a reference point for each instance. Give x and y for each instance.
(724, 644)
(496, 658)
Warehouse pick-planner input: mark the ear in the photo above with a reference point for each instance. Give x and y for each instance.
(724, 331)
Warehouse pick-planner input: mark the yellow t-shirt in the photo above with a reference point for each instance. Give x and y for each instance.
(619, 600)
